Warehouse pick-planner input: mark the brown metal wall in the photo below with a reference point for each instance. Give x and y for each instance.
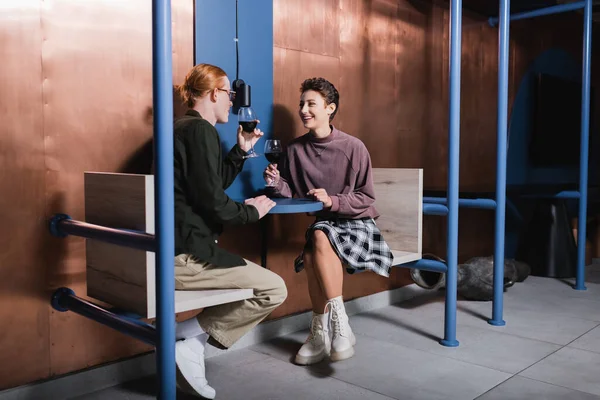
(76, 95)
(23, 305)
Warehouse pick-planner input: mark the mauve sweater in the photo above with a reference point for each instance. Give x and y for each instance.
(338, 163)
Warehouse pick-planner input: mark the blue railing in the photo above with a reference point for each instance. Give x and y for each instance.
(449, 205)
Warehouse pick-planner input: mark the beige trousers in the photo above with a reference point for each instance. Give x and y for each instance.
(227, 323)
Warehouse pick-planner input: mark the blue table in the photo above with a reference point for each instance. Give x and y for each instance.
(285, 206)
(295, 206)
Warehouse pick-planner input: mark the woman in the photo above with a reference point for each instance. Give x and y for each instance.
(333, 167)
(201, 209)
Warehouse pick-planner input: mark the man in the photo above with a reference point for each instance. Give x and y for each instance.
(201, 210)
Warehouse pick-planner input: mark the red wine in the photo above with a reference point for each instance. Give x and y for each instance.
(273, 157)
(248, 126)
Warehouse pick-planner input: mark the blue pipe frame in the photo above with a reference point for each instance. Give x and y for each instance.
(449, 339)
(493, 21)
(449, 205)
(503, 20)
(64, 299)
(502, 129)
(61, 225)
(486, 204)
(584, 146)
(162, 85)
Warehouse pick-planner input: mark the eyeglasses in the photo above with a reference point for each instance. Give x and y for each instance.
(229, 92)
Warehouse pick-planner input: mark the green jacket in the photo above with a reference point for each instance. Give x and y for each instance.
(201, 177)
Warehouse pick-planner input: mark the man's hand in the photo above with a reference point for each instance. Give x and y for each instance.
(262, 203)
(322, 196)
(246, 140)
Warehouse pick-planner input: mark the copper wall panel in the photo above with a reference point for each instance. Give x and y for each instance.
(290, 68)
(24, 347)
(310, 25)
(183, 38)
(478, 104)
(369, 46)
(98, 89)
(97, 61)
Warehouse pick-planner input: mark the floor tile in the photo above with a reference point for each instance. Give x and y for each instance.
(570, 368)
(519, 388)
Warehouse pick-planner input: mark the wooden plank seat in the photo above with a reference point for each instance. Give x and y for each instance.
(399, 200)
(124, 277)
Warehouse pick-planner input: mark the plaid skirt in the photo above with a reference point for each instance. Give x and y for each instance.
(358, 243)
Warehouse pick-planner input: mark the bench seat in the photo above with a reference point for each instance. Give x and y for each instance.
(124, 277)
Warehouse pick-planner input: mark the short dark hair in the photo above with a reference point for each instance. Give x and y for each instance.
(326, 89)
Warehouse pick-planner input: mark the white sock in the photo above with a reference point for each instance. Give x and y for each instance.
(198, 343)
(188, 329)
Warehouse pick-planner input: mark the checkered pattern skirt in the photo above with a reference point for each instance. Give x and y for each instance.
(358, 243)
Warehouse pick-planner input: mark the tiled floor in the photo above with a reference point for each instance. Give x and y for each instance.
(549, 349)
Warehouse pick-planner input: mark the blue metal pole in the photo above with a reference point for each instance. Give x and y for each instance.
(64, 299)
(583, 162)
(453, 166)
(493, 21)
(565, 194)
(62, 225)
(503, 47)
(486, 204)
(426, 265)
(162, 67)
(434, 209)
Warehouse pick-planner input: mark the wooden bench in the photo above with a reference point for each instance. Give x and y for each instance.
(124, 277)
(399, 200)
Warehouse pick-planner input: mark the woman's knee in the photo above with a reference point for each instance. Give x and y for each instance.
(320, 240)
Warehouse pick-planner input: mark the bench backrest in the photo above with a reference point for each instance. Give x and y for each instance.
(121, 276)
(399, 200)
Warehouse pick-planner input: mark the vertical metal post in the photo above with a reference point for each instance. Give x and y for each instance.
(584, 152)
(453, 169)
(164, 196)
(503, 55)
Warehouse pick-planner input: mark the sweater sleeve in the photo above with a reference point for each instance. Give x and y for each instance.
(363, 195)
(205, 184)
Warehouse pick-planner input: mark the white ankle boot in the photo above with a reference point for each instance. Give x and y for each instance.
(318, 344)
(342, 337)
(189, 356)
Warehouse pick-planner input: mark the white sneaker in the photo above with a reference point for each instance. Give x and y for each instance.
(342, 337)
(318, 344)
(189, 356)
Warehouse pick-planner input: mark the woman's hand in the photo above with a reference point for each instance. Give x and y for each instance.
(271, 175)
(322, 196)
(247, 140)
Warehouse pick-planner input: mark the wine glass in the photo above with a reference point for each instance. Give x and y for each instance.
(273, 151)
(247, 119)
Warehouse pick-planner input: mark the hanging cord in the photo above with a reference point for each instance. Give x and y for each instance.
(237, 53)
